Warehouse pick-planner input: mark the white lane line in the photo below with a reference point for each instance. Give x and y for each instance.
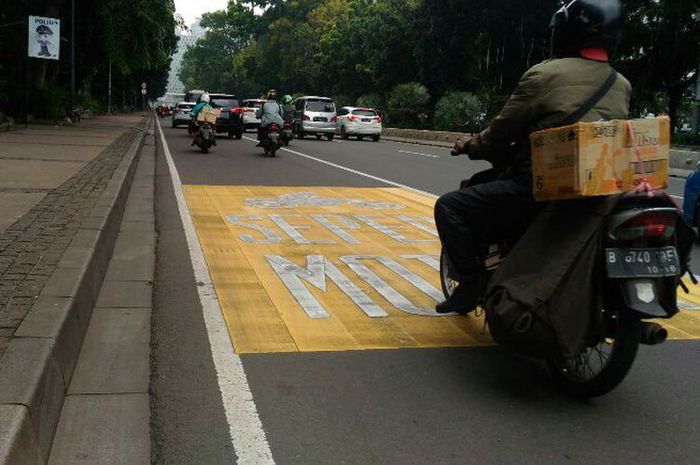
(418, 153)
(245, 428)
(353, 171)
(676, 197)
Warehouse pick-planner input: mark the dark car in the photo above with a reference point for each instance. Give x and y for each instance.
(231, 120)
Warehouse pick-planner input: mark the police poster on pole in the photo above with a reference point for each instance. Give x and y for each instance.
(44, 37)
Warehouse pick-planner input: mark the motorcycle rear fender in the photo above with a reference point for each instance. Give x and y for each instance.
(653, 298)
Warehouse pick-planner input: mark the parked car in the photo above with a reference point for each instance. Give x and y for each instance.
(250, 108)
(314, 116)
(181, 115)
(359, 122)
(691, 199)
(231, 120)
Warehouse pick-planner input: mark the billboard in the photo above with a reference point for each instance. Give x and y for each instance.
(44, 37)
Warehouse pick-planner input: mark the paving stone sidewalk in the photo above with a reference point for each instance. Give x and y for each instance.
(31, 247)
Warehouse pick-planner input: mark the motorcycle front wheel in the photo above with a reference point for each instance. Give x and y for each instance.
(601, 368)
(448, 284)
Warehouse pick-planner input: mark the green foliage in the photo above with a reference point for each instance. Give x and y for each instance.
(92, 104)
(343, 100)
(460, 111)
(137, 36)
(360, 49)
(691, 138)
(371, 101)
(52, 103)
(660, 53)
(408, 103)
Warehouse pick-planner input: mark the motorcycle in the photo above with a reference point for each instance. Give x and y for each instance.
(272, 140)
(287, 133)
(204, 136)
(643, 270)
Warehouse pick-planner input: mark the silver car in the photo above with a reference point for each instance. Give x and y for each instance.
(359, 122)
(314, 116)
(250, 108)
(181, 114)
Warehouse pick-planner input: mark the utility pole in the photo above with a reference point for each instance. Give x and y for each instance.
(72, 54)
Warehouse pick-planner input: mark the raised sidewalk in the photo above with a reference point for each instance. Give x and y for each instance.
(62, 196)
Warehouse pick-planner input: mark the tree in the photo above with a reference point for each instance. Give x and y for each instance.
(137, 36)
(661, 52)
(460, 111)
(408, 103)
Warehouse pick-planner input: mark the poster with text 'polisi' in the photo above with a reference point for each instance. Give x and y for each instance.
(44, 37)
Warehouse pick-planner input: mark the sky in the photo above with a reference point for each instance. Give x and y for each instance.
(192, 9)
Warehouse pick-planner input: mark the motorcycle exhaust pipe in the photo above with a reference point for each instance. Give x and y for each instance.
(653, 334)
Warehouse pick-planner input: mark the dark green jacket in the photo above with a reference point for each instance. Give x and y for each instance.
(555, 270)
(546, 95)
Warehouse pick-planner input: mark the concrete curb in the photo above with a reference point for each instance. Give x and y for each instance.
(38, 365)
(422, 137)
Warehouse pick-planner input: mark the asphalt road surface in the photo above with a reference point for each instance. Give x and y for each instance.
(329, 384)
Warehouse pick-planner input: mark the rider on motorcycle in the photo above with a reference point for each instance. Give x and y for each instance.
(203, 102)
(270, 113)
(288, 108)
(498, 201)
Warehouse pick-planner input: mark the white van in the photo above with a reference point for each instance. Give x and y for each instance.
(314, 116)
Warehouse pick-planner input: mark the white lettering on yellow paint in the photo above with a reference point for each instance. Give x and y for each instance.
(271, 237)
(383, 288)
(293, 230)
(420, 223)
(370, 220)
(433, 261)
(317, 268)
(337, 225)
(325, 221)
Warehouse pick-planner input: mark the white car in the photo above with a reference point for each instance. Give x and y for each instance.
(359, 122)
(250, 108)
(181, 113)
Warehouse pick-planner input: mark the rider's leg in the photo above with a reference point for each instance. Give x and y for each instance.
(467, 220)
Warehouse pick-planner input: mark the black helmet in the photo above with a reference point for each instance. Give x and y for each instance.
(584, 24)
(43, 29)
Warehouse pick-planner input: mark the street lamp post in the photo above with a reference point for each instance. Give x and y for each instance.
(696, 103)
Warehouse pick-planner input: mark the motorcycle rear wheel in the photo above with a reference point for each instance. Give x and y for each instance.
(601, 368)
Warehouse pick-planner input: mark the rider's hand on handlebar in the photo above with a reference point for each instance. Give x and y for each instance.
(460, 147)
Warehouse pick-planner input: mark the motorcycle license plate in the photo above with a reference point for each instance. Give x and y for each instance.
(642, 263)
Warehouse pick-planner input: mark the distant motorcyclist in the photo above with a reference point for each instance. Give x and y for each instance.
(203, 102)
(584, 33)
(270, 113)
(287, 108)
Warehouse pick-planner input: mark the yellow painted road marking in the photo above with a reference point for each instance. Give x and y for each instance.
(333, 268)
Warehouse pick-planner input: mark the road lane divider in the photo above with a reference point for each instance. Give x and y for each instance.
(245, 428)
(409, 152)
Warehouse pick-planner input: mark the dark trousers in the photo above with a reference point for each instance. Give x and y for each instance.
(485, 211)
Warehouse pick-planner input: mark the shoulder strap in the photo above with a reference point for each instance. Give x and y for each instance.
(592, 100)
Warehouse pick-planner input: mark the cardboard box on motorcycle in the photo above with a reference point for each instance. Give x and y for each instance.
(593, 159)
(209, 115)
